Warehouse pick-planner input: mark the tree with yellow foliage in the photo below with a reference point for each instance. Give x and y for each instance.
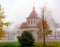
(44, 29)
(2, 31)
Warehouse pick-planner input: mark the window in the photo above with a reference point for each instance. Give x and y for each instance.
(34, 21)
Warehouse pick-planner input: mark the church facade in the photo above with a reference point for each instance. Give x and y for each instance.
(33, 22)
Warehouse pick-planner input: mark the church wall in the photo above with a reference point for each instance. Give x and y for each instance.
(34, 33)
(32, 30)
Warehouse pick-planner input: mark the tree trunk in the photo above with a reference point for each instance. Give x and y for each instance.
(44, 40)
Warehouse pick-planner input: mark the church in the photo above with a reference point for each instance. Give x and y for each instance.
(33, 22)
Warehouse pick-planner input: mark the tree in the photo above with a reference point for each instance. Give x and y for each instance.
(44, 29)
(26, 39)
(2, 31)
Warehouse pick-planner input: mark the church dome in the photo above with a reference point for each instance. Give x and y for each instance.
(33, 14)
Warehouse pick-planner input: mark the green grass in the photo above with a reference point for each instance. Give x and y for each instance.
(55, 44)
(9, 44)
(38, 44)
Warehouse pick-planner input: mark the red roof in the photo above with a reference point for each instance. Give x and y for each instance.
(25, 25)
(33, 14)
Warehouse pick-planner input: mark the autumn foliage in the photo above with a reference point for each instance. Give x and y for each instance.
(2, 31)
(46, 28)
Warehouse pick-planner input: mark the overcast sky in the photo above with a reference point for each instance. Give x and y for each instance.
(17, 10)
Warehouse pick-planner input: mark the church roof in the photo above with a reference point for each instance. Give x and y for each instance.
(25, 25)
(33, 14)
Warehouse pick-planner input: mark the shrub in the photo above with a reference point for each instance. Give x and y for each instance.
(26, 39)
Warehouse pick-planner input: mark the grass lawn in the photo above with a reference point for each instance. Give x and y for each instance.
(16, 44)
(9, 44)
(51, 44)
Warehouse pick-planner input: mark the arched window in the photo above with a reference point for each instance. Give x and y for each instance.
(34, 21)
